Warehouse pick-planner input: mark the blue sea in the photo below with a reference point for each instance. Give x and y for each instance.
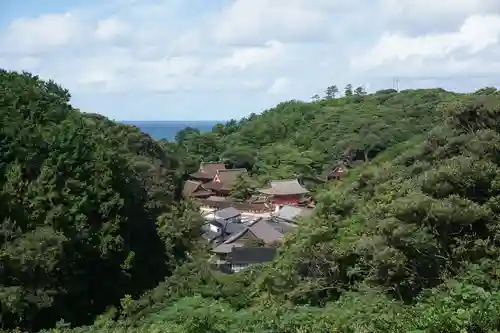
(168, 129)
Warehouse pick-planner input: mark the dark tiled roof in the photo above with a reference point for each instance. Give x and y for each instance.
(227, 247)
(233, 228)
(218, 224)
(251, 255)
(261, 229)
(285, 187)
(227, 213)
(234, 237)
(229, 228)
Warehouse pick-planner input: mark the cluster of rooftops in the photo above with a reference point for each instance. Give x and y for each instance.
(213, 179)
(237, 242)
(234, 238)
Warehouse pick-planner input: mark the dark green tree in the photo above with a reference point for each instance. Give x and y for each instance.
(243, 188)
(331, 92)
(182, 135)
(411, 229)
(360, 91)
(79, 199)
(348, 90)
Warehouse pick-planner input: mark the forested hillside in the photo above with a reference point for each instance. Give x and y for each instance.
(407, 242)
(86, 208)
(299, 138)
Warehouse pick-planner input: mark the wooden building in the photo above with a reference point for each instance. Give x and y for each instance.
(211, 180)
(265, 231)
(195, 189)
(207, 171)
(223, 181)
(259, 230)
(284, 192)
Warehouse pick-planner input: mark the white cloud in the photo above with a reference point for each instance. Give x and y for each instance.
(245, 57)
(187, 42)
(102, 69)
(44, 32)
(280, 86)
(427, 16)
(110, 28)
(248, 54)
(29, 63)
(167, 74)
(443, 9)
(475, 35)
(120, 71)
(252, 21)
(253, 84)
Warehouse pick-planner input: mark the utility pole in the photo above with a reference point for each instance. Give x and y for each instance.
(395, 83)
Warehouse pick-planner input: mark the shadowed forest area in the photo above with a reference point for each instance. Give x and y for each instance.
(95, 237)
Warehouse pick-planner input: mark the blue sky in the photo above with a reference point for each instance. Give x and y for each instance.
(205, 60)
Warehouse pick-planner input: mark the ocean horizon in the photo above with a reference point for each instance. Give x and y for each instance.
(167, 129)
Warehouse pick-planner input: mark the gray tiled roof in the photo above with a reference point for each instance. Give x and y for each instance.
(218, 224)
(289, 213)
(251, 255)
(226, 248)
(233, 228)
(282, 226)
(228, 227)
(262, 229)
(285, 187)
(227, 213)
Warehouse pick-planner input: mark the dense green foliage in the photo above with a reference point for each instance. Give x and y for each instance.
(299, 138)
(407, 242)
(80, 201)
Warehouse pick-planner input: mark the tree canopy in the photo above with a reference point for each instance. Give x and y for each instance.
(307, 139)
(408, 241)
(80, 200)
